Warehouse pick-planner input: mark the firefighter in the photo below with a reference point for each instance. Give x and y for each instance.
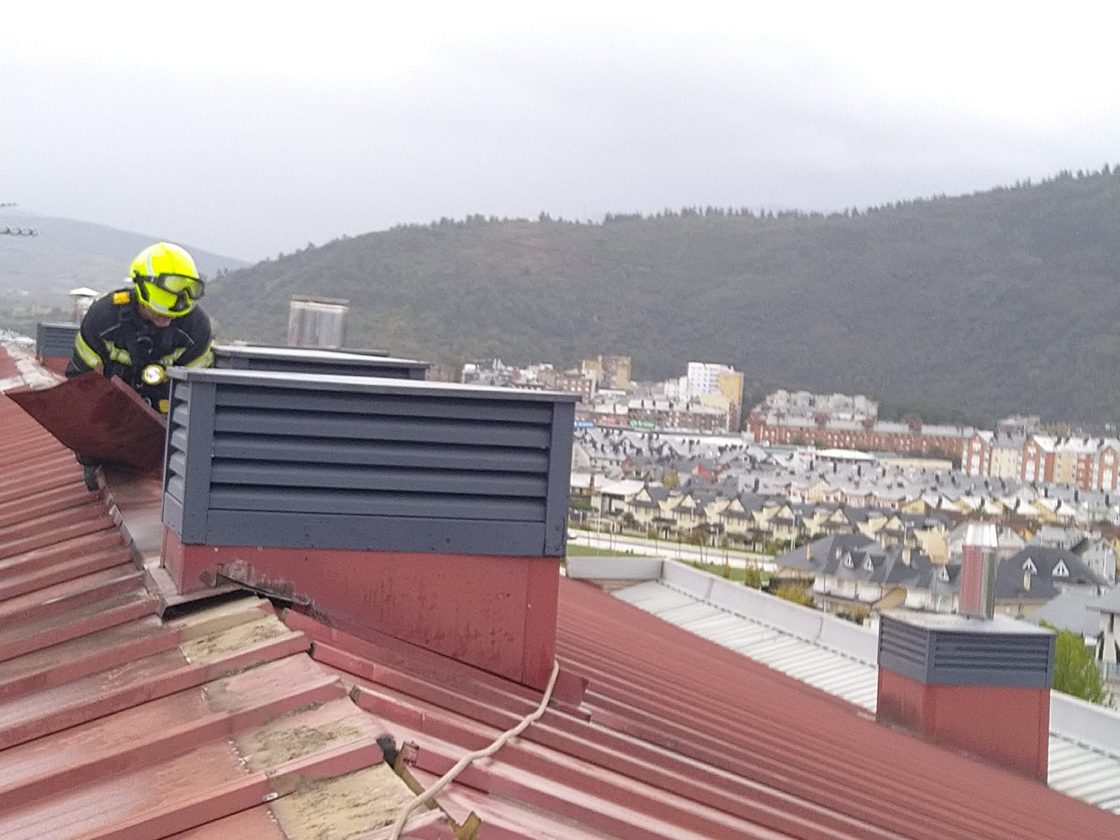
(137, 332)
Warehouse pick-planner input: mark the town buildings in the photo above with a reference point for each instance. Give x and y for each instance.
(838, 420)
(1087, 463)
(707, 400)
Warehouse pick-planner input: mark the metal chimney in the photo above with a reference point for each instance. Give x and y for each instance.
(81, 300)
(979, 557)
(317, 322)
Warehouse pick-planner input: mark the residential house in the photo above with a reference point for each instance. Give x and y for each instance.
(1038, 458)
(976, 459)
(1075, 461)
(1108, 640)
(1035, 575)
(1099, 554)
(1009, 541)
(931, 532)
(854, 572)
(736, 521)
(785, 526)
(645, 507)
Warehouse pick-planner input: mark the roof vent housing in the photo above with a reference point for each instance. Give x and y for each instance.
(431, 512)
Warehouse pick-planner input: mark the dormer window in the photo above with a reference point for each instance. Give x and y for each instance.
(868, 565)
(1060, 570)
(943, 575)
(1029, 566)
(849, 562)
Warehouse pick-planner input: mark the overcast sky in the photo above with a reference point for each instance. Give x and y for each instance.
(254, 128)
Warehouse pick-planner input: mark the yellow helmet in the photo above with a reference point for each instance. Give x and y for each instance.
(166, 280)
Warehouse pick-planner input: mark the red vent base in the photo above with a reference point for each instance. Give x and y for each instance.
(1007, 725)
(496, 613)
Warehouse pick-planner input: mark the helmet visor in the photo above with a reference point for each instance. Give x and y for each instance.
(162, 301)
(179, 284)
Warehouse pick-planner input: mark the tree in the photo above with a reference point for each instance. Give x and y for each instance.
(796, 593)
(752, 577)
(1075, 670)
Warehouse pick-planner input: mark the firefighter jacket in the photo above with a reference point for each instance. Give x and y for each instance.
(114, 335)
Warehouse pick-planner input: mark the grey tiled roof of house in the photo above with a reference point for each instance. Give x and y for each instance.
(791, 471)
(1071, 610)
(1044, 584)
(1108, 602)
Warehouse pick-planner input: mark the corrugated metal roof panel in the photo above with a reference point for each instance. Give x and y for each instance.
(1088, 772)
(115, 723)
(768, 645)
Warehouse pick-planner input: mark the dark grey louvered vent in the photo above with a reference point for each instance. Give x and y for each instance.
(953, 650)
(302, 460)
(55, 340)
(305, 360)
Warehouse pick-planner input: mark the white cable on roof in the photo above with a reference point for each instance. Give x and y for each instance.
(446, 779)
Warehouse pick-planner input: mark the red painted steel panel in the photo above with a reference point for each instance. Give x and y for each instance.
(82, 657)
(102, 418)
(613, 770)
(83, 621)
(254, 824)
(692, 689)
(35, 504)
(497, 613)
(66, 549)
(69, 594)
(55, 364)
(63, 473)
(62, 573)
(167, 726)
(8, 367)
(1007, 725)
(18, 549)
(33, 714)
(42, 527)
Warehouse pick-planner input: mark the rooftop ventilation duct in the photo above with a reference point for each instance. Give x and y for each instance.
(979, 685)
(54, 344)
(431, 512)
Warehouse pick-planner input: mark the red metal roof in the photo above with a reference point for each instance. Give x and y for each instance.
(117, 723)
(233, 721)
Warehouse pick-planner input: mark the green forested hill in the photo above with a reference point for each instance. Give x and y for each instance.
(976, 306)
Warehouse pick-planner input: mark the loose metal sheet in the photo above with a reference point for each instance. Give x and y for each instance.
(103, 419)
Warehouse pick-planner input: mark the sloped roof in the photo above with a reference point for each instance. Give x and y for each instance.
(1044, 583)
(840, 657)
(235, 721)
(1072, 610)
(115, 722)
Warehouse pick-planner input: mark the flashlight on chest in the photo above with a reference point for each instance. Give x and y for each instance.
(153, 375)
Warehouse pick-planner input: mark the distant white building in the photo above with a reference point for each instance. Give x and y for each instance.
(703, 378)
